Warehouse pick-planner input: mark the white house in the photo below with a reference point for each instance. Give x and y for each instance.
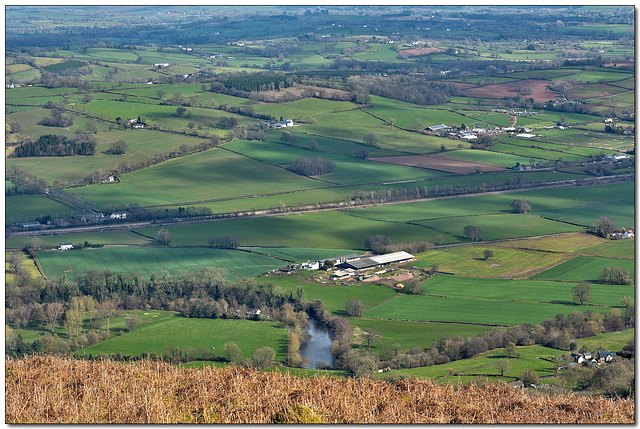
(118, 215)
(65, 246)
(468, 136)
(315, 265)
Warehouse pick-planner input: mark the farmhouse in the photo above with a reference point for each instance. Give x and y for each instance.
(616, 157)
(605, 356)
(283, 124)
(118, 215)
(65, 246)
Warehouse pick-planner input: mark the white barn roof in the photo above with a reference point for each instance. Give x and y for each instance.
(391, 257)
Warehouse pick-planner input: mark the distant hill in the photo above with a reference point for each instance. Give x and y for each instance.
(62, 390)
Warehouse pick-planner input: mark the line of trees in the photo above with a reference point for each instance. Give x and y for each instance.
(224, 242)
(382, 244)
(419, 192)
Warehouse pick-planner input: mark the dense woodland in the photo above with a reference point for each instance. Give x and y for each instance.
(57, 145)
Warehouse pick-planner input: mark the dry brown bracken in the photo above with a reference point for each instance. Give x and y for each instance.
(46, 389)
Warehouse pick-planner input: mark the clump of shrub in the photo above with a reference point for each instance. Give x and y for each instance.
(312, 166)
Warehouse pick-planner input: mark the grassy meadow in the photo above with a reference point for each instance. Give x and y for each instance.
(491, 312)
(26, 208)
(183, 332)
(147, 260)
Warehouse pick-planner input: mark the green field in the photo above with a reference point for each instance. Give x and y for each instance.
(111, 237)
(185, 332)
(299, 255)
(467, 310)
(142, 144)
(466, 369)
(516, 149)
(488, 157)
(612, 341)
(585, 268)
(208, 175)
(349, 171)
(622, 213)
(414, 334)
(147, 260)
(26, 208)
(496, 227)
(520, 290)
(329, 230)
(613, 248)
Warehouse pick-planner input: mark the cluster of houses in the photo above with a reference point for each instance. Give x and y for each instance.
(470, 134)
(76, 219)
(622, 235)
(615, 157)
(136, 124)
(600, 358)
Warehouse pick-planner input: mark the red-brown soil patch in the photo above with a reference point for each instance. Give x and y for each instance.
(619, 64)
(437, 162)
(510, 89)
(406, 53)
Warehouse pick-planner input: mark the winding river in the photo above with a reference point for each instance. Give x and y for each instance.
(318, 347)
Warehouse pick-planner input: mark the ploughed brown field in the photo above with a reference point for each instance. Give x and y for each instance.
(63, 390)
(510, 89)
(437, 162)
(406, 53)
(619, 64)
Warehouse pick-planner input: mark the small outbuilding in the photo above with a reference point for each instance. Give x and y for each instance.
(31, 225)
(441, 127)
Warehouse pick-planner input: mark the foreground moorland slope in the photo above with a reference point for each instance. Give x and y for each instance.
(59, 390)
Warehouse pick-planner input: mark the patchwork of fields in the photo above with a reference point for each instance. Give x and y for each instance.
(419, 140)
